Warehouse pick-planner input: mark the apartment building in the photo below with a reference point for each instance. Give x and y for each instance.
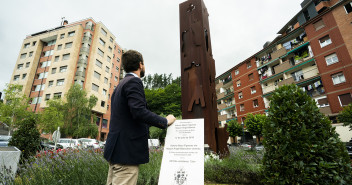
(313, 50)
(84, 52)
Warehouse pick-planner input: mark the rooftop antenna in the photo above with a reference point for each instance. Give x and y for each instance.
(62, 20)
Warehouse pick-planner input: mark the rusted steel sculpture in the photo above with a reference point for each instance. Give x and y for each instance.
(198, 73)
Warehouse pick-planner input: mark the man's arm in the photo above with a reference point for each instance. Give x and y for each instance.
(137, 105)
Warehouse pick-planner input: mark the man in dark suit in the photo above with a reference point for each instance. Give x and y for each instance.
(127, 142)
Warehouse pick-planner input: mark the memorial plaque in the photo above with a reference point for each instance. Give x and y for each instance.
(183, 157)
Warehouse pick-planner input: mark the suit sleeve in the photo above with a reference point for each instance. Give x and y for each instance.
(137, 104)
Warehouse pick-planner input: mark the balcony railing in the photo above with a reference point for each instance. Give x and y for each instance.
(221, 95)
(325, 110)
(222, 106)
(219, 85)
(222, 117)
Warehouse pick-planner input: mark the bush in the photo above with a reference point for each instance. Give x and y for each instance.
(345, 116)
(26, 138)
(301, 145)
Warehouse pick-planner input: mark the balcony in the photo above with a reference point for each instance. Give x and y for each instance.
(85, 50)
(219, 85)
(322, 5)
(221, 95)
(222, 117)
(87, 39)
(286, 81)
(282, 67)
(222, 106)
(279, 53)
(325, 110)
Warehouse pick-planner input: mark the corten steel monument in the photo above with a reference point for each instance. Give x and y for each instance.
(198, 73)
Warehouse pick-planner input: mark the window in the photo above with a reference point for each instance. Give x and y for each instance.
(47, 97)
(50, 43)
(24, 75)
(242, 107)
(39, 87)
(53, 70)
(36, 100)
(110, 49)
(51, 83)
(26, 45)
(105, 123)
(119, 51)
(102, 42)
(255, 103)
(112, 65)
(63, 69)
(42, 75)
(100, 52)
(107, 69)
(249, 65)
(62, 36)
(306, 15)
(27, 64)
(57, 58)
(45, 64)
(34, 42)
(59, 47)
(95, 87)
(348, 7)
(325, 41)
(108, 59)
(19, 66)
(238, 83)
(106, 80)
(30, 54)
(70, 34)
(116, 78)
(98, 63)
(117, 68)
(117, 59)
(104, 91)
(253, 90)
(331, 59)
(97, 75)
(60, 82)
(338, 78)
(298, 75)
(48, 53)
(57, 95)
(16, 77)
(111, 39)
(319, 25)
(103, 32)
(23, 55)
(66, 56)
(102, 104)
(237, 72)
(250, 77)
(240, 96)
(68, 45)
(323, 102)
(345, 99)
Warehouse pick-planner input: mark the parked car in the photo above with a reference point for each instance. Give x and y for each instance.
(246, 146)
(89, 143)
(349, 149)
(153, 143)
(68, 143)
(259, 147)
(4, 140)
(45, 144)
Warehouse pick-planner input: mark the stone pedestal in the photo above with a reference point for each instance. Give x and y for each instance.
(9, 158)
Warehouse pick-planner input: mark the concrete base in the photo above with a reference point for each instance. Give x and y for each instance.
(9, 158)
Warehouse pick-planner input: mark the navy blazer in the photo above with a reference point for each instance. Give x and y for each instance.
(127, 141)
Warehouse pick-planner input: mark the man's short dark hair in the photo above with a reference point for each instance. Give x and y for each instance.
(130, 60)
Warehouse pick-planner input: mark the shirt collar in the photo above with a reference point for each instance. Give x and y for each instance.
(134, 74)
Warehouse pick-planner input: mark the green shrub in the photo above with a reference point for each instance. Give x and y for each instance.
(26, 138)
(345, 116)
(234, 129)
(301, 145)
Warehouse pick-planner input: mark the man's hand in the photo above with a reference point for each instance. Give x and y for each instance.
(170, 119)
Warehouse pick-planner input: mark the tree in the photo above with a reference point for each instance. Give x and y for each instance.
(52, 116)
(26, 137)
(301, 146)
(254, 124)
(234, 129)
(14, 109)
(346, 116)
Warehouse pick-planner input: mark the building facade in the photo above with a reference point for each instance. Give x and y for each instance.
(84, 52)
(313, 50)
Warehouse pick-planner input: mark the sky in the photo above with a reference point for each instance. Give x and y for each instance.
(238, 28)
